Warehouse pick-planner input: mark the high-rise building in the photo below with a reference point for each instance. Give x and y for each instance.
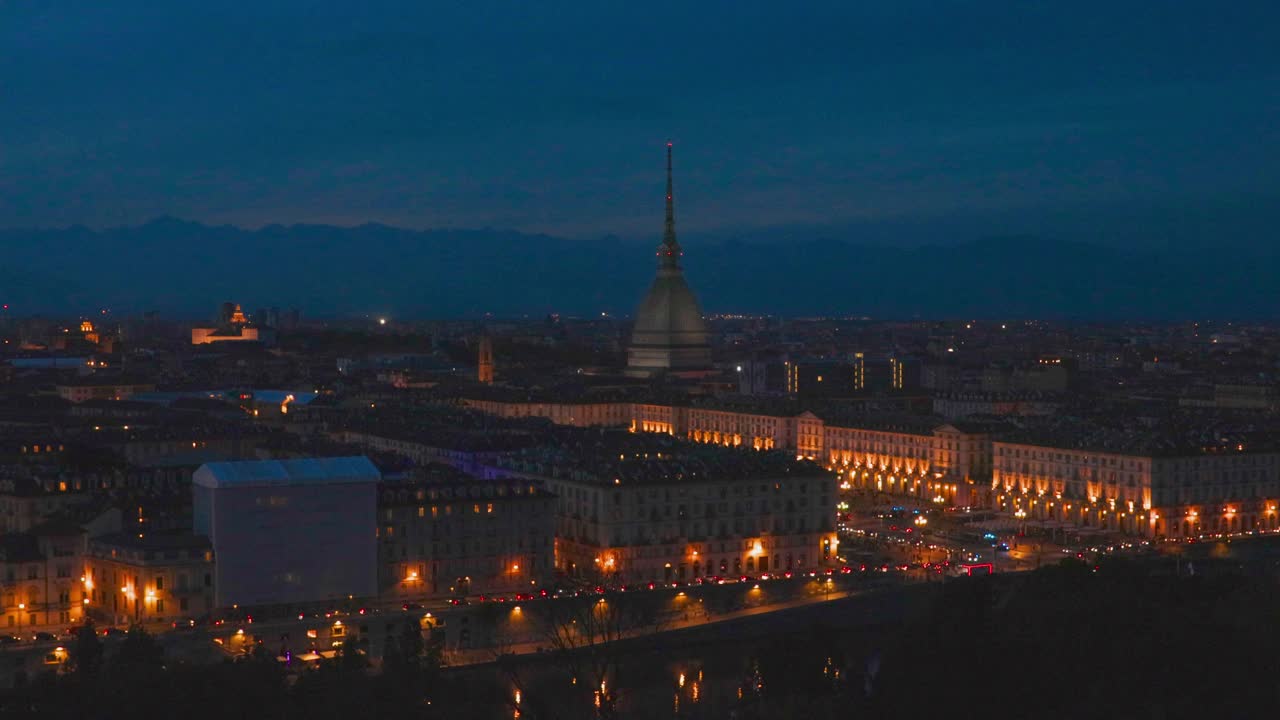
(289, 531)
(485, 374)
(670, 335)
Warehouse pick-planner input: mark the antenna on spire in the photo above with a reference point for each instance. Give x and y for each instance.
(670, 251)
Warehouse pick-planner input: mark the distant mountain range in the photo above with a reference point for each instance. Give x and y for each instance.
(186, 268)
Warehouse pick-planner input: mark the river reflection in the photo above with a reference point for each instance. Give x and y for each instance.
(717, 679)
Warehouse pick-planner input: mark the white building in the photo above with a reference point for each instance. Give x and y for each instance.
(289, 531)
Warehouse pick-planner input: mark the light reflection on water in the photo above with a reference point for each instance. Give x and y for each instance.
(693, 682)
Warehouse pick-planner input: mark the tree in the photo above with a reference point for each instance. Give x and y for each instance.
(86, 656)
(349, 657)
(583, 633)
(139, 647)
(411, 644)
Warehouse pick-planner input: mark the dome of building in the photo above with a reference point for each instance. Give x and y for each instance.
(670, 333)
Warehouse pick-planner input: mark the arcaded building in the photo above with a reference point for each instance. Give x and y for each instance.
(1139, 483)
(928, 458)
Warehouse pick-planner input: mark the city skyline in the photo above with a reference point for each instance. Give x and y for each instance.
(375, 270)
(353, 361)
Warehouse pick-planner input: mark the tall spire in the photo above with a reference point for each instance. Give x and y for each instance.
(670, 252)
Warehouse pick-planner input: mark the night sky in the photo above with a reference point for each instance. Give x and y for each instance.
(1127, 123)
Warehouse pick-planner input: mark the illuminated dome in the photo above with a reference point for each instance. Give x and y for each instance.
(669, 334)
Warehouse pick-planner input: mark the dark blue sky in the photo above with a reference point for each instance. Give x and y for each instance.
(1130, 123)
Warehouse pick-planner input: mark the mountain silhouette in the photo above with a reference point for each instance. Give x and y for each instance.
(186, 268)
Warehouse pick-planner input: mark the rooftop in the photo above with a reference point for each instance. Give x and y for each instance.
(266, 473)
(449, 427)
(622, 458)
(435, 481)
(153, 541)
(1174, 435)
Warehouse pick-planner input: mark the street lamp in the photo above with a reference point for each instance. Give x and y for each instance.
(21, 607)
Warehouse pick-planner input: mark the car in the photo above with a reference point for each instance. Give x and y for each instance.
(113, 632)
(1002, 547)
(9, 639)
(44, 637)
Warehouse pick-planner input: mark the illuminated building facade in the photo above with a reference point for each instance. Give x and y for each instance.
(208, 335)
(463, 536)
(639, 517)
(1159, 495)
(945, 464)
(917, 457)
(233, 326)
(736, 429)
(657, 418)
(948, 463)
(485, 365)
(40, 576)
(155, 577)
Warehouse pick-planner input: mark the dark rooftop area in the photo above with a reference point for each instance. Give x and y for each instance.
(623, 458)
